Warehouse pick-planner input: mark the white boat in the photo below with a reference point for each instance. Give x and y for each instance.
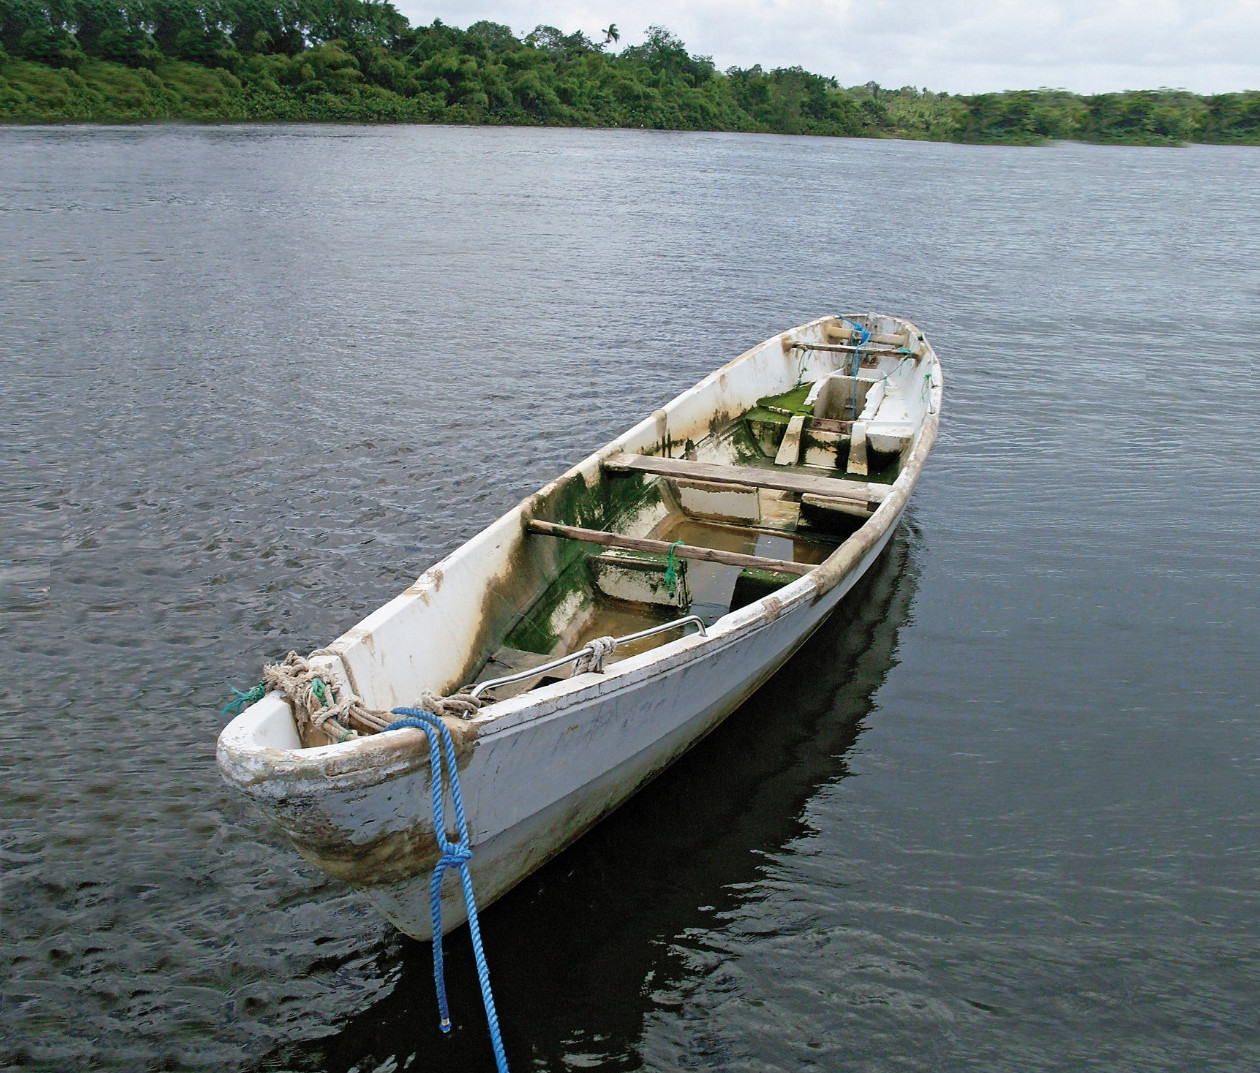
(690, 557)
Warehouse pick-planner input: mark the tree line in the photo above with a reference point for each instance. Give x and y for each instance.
(362, 61)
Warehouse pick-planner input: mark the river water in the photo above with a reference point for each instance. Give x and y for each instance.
(1002, 813)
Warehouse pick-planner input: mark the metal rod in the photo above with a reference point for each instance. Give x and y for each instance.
(543, 668)
(663, 627)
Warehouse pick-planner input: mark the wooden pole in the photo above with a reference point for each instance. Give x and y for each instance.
(783, 480)
(662, 547)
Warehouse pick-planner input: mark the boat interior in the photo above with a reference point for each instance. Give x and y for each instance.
(733, 490)
(667, 540)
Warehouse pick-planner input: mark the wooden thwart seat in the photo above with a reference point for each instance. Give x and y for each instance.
(749, 477)
(663, 547)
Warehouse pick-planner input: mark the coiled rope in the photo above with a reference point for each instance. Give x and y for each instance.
(320, 706)
(454, 855)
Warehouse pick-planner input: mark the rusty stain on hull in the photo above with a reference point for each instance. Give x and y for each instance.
(390, 859)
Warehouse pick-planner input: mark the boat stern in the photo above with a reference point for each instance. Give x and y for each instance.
(358, 811)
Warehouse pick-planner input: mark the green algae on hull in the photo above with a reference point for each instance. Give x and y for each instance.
(605, 504)
(781, 408)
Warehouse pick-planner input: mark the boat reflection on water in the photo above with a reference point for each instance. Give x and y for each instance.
(579, 948)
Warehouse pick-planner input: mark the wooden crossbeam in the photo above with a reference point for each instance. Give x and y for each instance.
(662, 547)
(873, 340)
(749, 477)
(847, 348)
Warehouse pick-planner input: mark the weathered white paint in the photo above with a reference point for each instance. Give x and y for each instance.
(638, 580)
(539, 768)
(718, 501)
(857, 449)
(790, 447)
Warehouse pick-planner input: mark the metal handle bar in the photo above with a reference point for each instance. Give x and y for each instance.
(543, 668)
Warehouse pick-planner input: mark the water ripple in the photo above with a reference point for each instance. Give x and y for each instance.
(994, 817)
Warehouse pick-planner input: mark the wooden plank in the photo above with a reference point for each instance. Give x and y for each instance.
(847, 348)
(662, 547)
(843, 506)
(790, 446)
(829, 424)
(747, 477)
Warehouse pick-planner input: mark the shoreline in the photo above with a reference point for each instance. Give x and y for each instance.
(456, 77)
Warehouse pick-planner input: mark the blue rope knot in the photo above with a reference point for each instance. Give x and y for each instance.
(455, 855)
(459, 855)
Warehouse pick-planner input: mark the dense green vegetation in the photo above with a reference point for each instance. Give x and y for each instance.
(361, 61)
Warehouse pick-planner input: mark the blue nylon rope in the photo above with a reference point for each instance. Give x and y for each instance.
(857, 358)
(454, 855)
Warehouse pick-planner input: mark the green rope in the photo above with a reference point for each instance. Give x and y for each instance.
(244, 700)
(241, 700)
(800, 364)
(671, 568)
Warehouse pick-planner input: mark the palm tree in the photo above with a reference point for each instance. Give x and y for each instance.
(612, 35)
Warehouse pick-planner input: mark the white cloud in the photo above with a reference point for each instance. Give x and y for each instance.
(963, 46)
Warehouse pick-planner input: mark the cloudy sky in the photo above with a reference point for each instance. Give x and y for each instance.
(961, 46)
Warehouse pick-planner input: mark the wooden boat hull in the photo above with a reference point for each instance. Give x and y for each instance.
(539, 769)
